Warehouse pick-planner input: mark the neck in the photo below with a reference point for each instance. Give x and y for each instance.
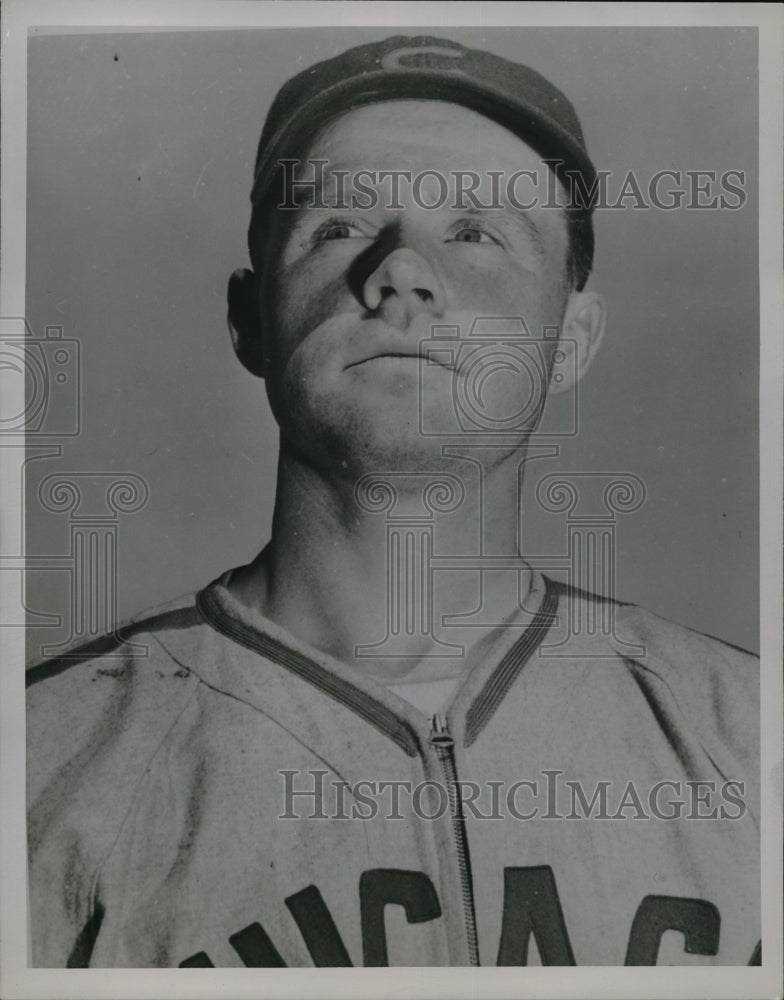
(344, 566)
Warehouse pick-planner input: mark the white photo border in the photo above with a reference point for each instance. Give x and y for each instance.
(19, 981)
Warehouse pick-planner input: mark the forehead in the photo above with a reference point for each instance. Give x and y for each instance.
(437, 151)
(436, 133)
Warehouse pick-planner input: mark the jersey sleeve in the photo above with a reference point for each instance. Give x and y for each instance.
(93, 727)
(699, 684)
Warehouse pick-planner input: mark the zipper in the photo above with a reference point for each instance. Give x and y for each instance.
(443, 743)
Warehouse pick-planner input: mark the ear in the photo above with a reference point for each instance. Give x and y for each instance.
(245, 320)
(581, 334)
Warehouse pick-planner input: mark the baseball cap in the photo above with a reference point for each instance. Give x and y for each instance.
(422, 68)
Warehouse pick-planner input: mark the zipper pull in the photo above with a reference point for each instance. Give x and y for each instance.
(440, 735)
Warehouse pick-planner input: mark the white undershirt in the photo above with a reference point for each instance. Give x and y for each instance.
(428, 696)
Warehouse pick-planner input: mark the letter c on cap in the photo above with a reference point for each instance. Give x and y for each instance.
(393, 59)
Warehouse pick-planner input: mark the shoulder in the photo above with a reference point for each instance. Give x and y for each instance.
(693, 683)
(123, 644)
(98, 716)
(125, 687)
(700, 667)
(651, 641)
(699, 681)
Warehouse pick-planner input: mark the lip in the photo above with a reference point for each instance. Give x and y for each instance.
(412, 356)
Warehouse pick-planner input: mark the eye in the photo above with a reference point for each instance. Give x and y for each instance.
(472, 232)
(338, 229)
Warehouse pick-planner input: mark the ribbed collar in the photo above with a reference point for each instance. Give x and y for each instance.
(480, 693)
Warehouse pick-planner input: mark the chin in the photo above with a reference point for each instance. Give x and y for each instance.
(378, 447)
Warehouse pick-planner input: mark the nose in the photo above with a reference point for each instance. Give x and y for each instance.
(402, 287)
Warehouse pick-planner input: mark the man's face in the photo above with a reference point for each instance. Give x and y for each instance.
(348, 295)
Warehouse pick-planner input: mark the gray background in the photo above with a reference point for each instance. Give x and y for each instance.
(140, 152)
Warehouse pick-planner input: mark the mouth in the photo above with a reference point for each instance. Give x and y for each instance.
(400, 356)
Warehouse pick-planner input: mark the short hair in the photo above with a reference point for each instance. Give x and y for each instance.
(579, 255)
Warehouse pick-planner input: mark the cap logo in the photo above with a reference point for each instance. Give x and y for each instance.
(422, 57)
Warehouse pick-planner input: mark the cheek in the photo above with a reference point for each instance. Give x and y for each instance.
(297, 301)
(505, 291)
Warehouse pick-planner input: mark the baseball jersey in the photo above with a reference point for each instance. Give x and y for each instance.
(205, 789)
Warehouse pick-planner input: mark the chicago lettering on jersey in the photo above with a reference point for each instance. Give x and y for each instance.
(531, 908)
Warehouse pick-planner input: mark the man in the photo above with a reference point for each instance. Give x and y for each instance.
(390, 718)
